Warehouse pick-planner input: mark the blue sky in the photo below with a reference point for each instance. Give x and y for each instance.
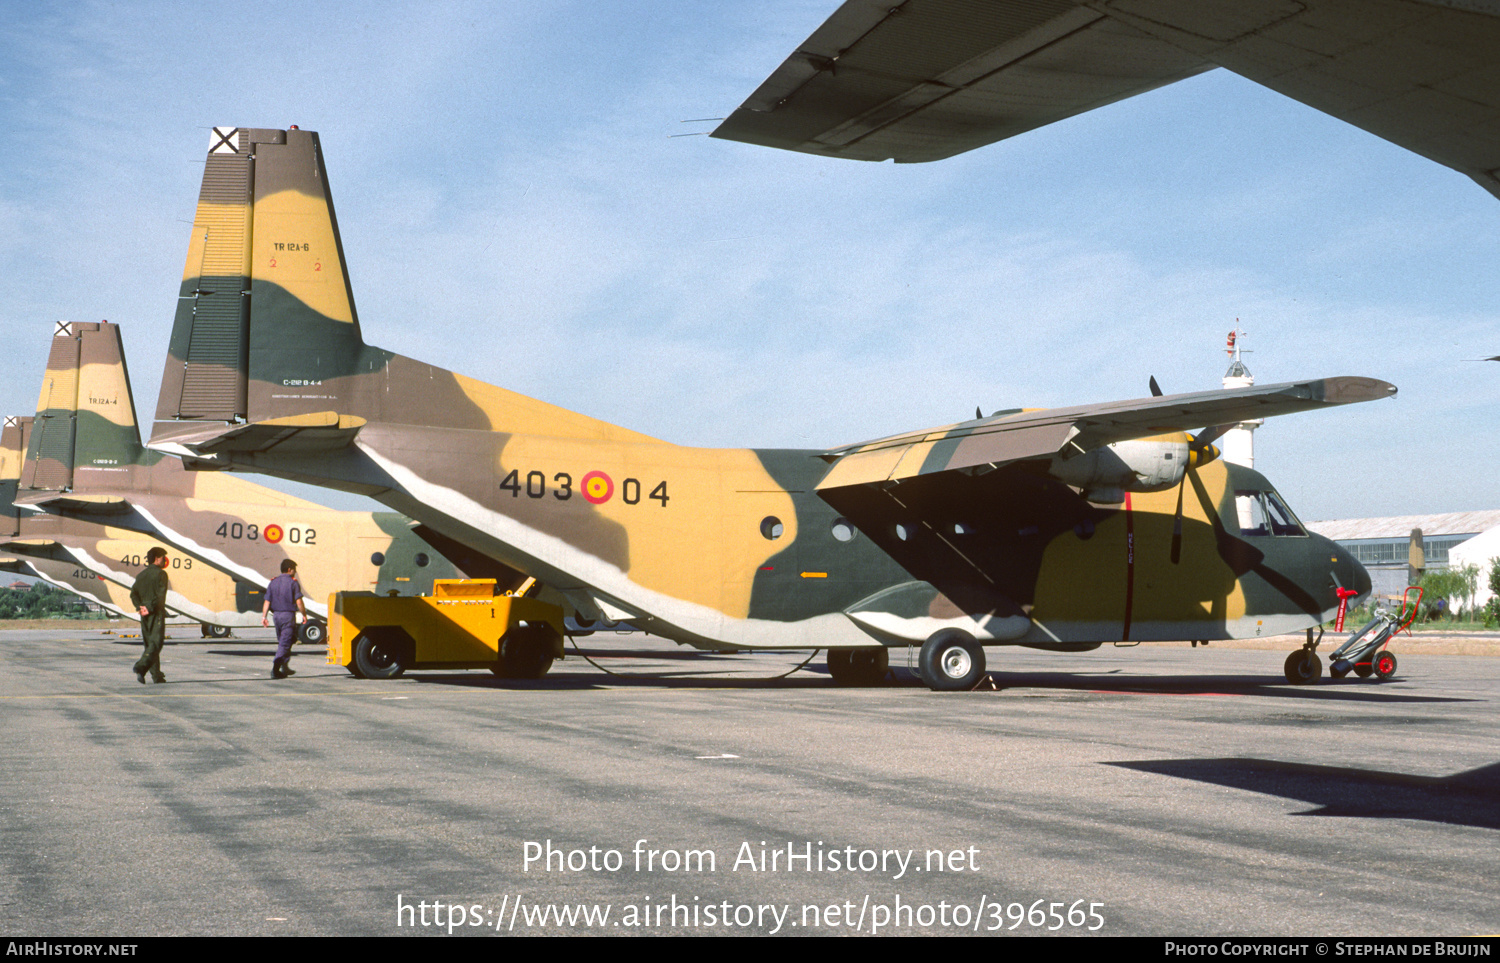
(514, 206)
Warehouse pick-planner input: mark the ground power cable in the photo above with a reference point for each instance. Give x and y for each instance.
(622, 675)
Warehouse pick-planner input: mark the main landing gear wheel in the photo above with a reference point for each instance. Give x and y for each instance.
(951, 661)
(218, 631)
(314, 633)
(1384, 664)
(374, 662)
(1303, 668)
(866, 665)
(526, 651)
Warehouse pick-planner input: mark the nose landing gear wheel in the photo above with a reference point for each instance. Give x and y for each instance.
(951, 661)
(1303, 668)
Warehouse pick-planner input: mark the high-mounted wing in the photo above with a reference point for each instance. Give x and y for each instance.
(1006, 438)
(927, 79)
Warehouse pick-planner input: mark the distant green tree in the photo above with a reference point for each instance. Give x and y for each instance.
(40, 601)
(1493, 613)
(1445, 584)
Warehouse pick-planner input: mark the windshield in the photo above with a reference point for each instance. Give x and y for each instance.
(1264, 513)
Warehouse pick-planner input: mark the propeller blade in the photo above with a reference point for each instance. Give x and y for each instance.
(1208, 436)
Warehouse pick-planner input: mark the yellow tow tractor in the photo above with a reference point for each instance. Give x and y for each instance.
(464, 624)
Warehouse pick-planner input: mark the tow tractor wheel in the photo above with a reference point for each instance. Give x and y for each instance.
(314, 633)
(526, 651)
(951, 661)
(1363, 669)
(866, 665)
(1384, 664)
(373, 662)
(1303, 667)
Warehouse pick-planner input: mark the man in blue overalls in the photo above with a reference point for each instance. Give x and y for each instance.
(284, 601)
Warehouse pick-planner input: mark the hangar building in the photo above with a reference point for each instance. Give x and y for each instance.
(1382, 544)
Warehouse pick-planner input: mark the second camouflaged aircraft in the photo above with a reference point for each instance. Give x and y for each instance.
(86, 464)
(1058, 529)
(73, 552)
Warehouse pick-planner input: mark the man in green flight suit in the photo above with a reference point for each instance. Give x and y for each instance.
(149, 596)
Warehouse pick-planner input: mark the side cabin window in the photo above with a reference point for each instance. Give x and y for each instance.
(1264, 513)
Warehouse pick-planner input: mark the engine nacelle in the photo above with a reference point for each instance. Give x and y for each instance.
(1153, 464)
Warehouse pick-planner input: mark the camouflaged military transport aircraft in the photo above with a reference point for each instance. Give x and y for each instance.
(920, 80)
(1058, 529)
(89, 550)
(86, 464)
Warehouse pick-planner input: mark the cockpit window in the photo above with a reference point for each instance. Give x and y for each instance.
(1264, 513)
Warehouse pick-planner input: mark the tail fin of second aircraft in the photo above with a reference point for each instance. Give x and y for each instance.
(266, 332)
(12, 454)
(85, 415)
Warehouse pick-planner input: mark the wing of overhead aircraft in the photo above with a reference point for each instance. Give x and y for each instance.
(926, 79)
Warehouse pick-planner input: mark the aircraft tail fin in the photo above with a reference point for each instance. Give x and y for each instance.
(85, 415)
(266, 333)
(13, 439)
(265, 300)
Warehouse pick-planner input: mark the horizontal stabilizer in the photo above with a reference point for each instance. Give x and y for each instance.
(319, 431)
(1052, 431)
(37, 548)
(77, 504)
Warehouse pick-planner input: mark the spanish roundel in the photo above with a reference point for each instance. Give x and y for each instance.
(272, 533)
(597, 487)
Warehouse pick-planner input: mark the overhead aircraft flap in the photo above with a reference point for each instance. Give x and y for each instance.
(919, 82)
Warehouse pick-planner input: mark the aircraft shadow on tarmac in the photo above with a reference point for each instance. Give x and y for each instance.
(1466, 799)
(1123, 682)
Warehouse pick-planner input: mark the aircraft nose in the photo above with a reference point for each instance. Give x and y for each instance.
(1348, 572)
